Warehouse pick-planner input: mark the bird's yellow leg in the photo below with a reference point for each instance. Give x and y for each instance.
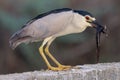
(44, 57)
(60, 67)
(42, 53)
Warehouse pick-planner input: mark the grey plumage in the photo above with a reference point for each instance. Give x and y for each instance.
(40, 28)
(53, 24)
(18, 38)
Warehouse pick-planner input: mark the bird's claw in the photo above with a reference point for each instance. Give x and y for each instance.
(59, 68)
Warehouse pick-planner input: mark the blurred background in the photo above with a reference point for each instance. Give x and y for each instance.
(72, 49)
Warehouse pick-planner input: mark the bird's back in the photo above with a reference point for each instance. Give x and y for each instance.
(39, 28)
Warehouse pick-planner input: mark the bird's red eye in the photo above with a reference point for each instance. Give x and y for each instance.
(87, 17)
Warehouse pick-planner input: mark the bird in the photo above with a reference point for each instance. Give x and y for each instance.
(48, 26)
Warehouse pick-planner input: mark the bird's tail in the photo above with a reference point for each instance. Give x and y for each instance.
(18, 38)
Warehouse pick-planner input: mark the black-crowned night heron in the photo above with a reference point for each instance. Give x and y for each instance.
(51, 25)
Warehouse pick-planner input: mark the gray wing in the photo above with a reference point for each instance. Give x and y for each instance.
(42, 28)
(54, 23)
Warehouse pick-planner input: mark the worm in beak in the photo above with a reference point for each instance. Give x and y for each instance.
(99, 29)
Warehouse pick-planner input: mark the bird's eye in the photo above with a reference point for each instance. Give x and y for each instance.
(87, 17)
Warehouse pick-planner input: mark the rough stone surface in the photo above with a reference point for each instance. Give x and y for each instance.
(101, 71)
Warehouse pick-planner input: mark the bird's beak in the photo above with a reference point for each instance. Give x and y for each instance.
(99, 28)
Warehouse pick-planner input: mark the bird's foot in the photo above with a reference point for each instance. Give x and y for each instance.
(64, 67)
(59, 68)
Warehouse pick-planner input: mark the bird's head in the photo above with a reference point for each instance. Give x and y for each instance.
(90, 21)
